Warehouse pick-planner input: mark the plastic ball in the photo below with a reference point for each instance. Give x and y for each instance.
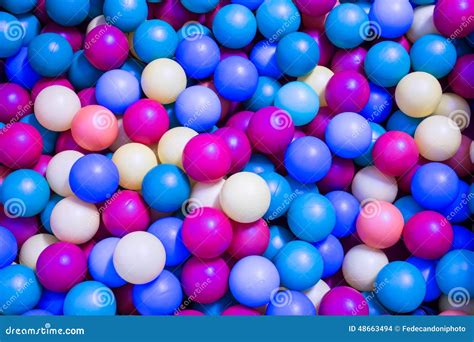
(432, 54)
(408, 207)
(101, 265)
(371, 184)
(459, 79)
(127, 16)
(12, 33)
(14, 99)
(58, 171)
(332, 253)
(238, 145)
(172, 144)
(349, 60)
(236, 78)
(22, 227)
(297, 46)
(345, 25)
(318, 79)
(204, 195)
(90, 298)
(456, 108)
(52, 302)
(249, 239)
(21, 145)
(392, 19)
(67, 13)
(279, 237)
(450, 16)
(379, 106)
(290, 303)
(299, 100)
(339, 176)
(240, 310)
(49, 137)
(117, 90)
(454, 274)
(273, 15)
(9, 247)
(18, 282)
(399, 121)
(234, 26)
(33, 247)
(343, 301)
(198, 55)
(428, 270)
(197, 6)
(18, 69)
(422, 23)
(347, 91)
(49, 54)
(281, 193)
(347, 209)
(154, 39)
(264, 57)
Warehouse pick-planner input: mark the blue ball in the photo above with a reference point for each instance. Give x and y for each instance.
(193, 30)
(299, 264)
(300, 189)
(379, 106)
(96, 8)
(279, 237)
(264, 57)
(48, 209)
(31, 25)
(8, 247)
(471, 194)
(251, 4)
(458, 211)
(463, 238)
(198, 107)
(253, 280)
(101, 265)
(345, 25)
(236, 78)
(428, 270)
(161, 296)
(400, 287)
(50, 54)
(165, 188)
(259, 163)
(375, 308)
(133, 66)
(290, 303)
(434, 186)
(454, 274)
(11, 35)
(168, 231)
(117, 90)
(399, 121)
(37, 312)
(21, 290)
(68, 12)
(126, 15)
(94, 178)
(90, 298)
(311, 217)
(348, 135)
(19, 6)
(24, 193)
(299, 100)
(18, 70)
(155, 39)
(386, 63)
(433, 54)
(199, 56)
(332, 253)
(82, 73)
(234, 26)
(276, 18)
(408, 207)
(392, 18)
(347, 209)
(49, 137)
(52, 302)
(308, 159)
(200, 6)
(297, 54)
(264, 96)
(280, 192)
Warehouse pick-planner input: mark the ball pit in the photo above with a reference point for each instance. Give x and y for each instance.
(241, 157)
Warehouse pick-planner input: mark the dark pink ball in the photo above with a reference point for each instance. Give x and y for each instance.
(240, 310)
(452, 17)
(460, 79)
(461, 161)
(189, 312)
(174, 13)
(326, 49)
(124, 299)
(87, 248)
(395, 153)
(61, 266)
(339, 176)
(317, 127)
(205, 280)
(72, 34)
(345, 60)
(428, 235)
(87, 97)
(343, 301)
(207, 232)
(106, 47)
(42, 164)
(66, 142)
(240, 120)
(298, 134)
(347, 91)
(21, 227)
(21, 145)
(125, 212)
(206, 158)
(315, 8)
(270, 130)
(47, 82)
(249, 239)
(404, 181)
(313, 23)
(15, 102)
(226, 53)
(238, 145)
(146, 121)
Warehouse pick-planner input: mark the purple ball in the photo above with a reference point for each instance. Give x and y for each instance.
(15, 102)
(343, 301)
(347, 91)
(106, 47)
(239, 147)
(240, 120)
(21, 227)
(345, 60)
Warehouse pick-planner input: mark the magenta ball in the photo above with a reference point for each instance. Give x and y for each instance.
(15, 102)
(394, 153)
(345, 60)
(249, 239)
(206, 158)
(317, 127)
(146, 121)
(174, 13)
(339, 176)
(460, 79)
(326, 49)
(270, 130)
(125, 212)
(189, 312)
(72, 34)
(61, 266)
(205, 280)
(66, 142)
(207, 232)
(87, 97)
(450, 17)
(42, 164)
(240, 310)
(21, 227)
(347, 91)
(20, 146)
(315, 8)
(428, 235)
(240, 120)
(47, 82)
(106, 47)
(238, 145)
(343, 301)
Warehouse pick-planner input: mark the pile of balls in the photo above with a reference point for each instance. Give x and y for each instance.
(242, 157)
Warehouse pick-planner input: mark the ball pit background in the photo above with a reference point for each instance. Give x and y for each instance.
(240, 157)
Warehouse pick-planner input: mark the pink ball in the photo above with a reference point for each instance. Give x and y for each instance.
(453, 313)
(326, 49)
(317, 127)
(395, 153)
(461, 161)
(61, 266)
(106, 47)
(42, 164)
(66, 142)
(238, 145)
(72, 34)
(347, 91)
(207, 232)
(15, 102)
(205, 280)
(189, 312)
(450, 17)
(240, 120)
(21, 227)
(345, 60)
(124, 299)
(146, 121)
(270, 130)
(174, 13)
(315, 8)
(125, 212)
(249, 239)
(206, 158)
(460, 79)
(343, 301)
(339, 176)
(87, 97)
(428, 235)
(21, 146)
(47, 82)
(240, 310)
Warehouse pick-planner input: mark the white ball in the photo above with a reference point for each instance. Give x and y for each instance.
(57, 172)
(318, 79)
(74, 221)
(371, 184)
(317, 292)
(438, 138)
(33, 247)
(139, 257)
(361, 266)
(172, 143)
(206, 194)
(245, 197)
(55, 107)
(456, 108)
(422, 23)
(97, 21)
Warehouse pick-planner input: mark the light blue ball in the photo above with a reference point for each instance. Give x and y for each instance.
(200, 6)
(408, 207)
(300, 189)
(90, 298)
(345, 25)
(290, 303)
(68, 12)
(259, 163)
(234, 26)
(454, 273)
(276, 18)
(126, 15)
(399, 121)
(20, 290)
(82, 74)
(48, 209)
(49, 137)
(391, 18)
(365, 159)
(31, 25)
(428, 270)
(133, 66)
(155, 39)
(311, 217)
(386, 63)
(299, 100)
(280, 192)
(279, 237)
(37, 312)
(8, 247)
(332, 255)
(117, 90)
(11, 35)
(297, 54)
(50, 54)
(19, 6)
(264, 96)
(375, 308)
(458, 210)
(96, 8)
(433, 54)
(101, 265)
(347, 209)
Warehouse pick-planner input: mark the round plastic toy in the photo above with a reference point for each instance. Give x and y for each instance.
(459, 80)
(346, 25)
(172, 144)
(453, 274)
(275, 14)
(249, 239)
(379, 106)
(21, 145)
(399, 121)
(239, 146)
(370, 183)
(281, 193)
(279, 237)
(90, 298)
(154, 39)
(332, 253)
(428, 270)
(297, 46)
(408, 207)
(117, 90)
(14, 98)
(67, 13)
(449, 17)
(442, 55)
(290, 303)
(264, 57)
(264, 96)
(299, 100)
(234, 26)
(49, 54)
(197, 6)
(347, 91)
(236, 78)
(339, 176)
(59, 169)
(392, 19)
(343, 301)
(125, 15)
(9, 247)
(33, 247)
(100, 263)
(12, 34)
(240, 310)
(347, 209)
(198, 56)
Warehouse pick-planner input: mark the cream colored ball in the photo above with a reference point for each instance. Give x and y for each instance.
(318, 79)
(317, 292)
(33, 247)
(172, 143)
(422, 23)
(57, 172)
(371, 184)
(206, 194)
(97, 21)
(456, 108)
